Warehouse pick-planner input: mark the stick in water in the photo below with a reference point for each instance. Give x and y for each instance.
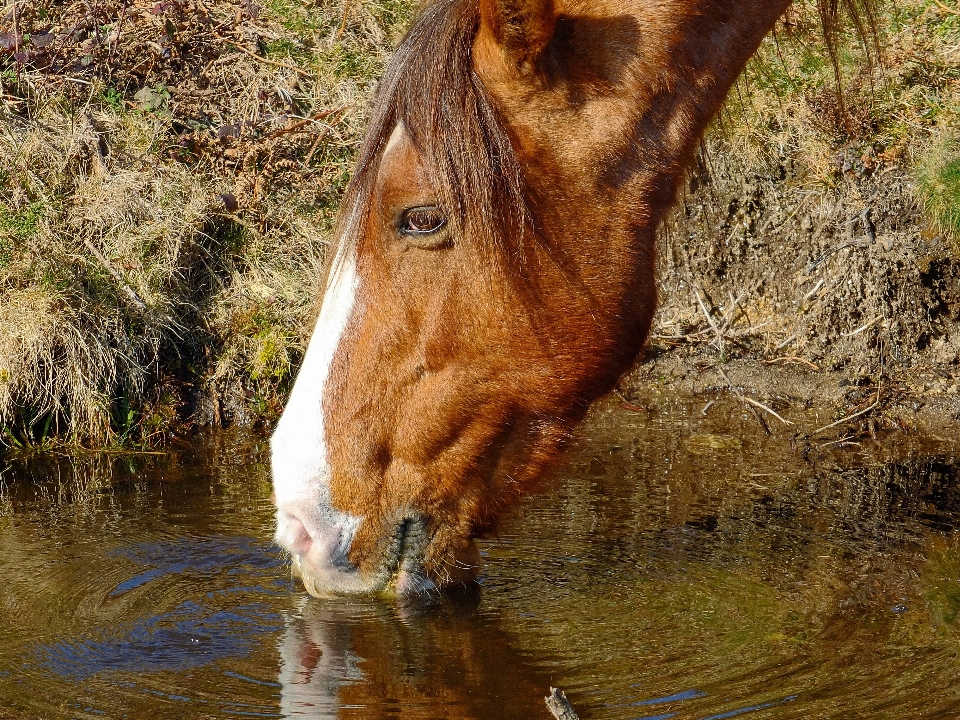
(558, 704)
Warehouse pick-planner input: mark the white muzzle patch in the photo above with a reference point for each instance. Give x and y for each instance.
(308, 526)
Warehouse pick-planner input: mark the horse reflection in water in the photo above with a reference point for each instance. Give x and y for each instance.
(370, 660)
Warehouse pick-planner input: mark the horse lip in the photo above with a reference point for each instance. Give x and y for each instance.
(401, 574)
(409, 576)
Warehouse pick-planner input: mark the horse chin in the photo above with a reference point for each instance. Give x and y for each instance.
(402, 572)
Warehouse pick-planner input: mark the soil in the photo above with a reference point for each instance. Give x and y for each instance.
(818, 302)
(837, 276)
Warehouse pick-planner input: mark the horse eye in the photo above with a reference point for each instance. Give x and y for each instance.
(424, 220)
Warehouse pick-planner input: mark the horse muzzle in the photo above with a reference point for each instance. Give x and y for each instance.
(320, 541)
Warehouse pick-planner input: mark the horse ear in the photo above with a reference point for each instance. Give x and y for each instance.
(522, 28)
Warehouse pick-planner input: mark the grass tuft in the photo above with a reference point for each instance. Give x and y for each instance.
(169, 177)
(938, 185)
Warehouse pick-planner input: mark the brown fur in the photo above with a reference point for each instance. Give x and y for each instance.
(554, 134)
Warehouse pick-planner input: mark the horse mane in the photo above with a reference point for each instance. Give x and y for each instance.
(430, 86)
(862, 14)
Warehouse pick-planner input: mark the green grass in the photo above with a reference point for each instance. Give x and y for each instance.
(112, 98)
(938, 185)
(22, 223)
(17, 227)
(297, 18)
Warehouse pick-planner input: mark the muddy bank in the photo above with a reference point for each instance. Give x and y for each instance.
(814, 231)
(836, 276)
(822, 292)
(794, 401)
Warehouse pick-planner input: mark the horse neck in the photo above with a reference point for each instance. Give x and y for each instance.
(625, 92)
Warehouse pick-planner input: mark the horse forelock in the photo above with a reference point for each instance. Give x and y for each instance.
(431, 87)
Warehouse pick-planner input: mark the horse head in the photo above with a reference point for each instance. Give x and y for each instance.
(493, 270)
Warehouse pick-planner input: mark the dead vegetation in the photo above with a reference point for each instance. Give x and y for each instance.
(817, 231)
(170, 170)
(169, 174)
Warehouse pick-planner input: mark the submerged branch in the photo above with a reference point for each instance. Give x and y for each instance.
(559, 706)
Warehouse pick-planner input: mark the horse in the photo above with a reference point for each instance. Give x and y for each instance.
(493, 271)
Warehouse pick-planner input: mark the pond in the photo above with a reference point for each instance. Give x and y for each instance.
(677, 565)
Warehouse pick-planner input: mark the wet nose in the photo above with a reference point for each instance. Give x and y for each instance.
(320, 541)
(292, 535)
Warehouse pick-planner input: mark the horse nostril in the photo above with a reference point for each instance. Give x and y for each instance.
(292, 534)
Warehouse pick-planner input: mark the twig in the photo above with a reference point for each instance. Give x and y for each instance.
(304, 121)
(689, 337)
(315, 145)
(713, 325)
(71, 79)
(559, 706)
(848, 440)
(786, 342)
(16, 29)
(947, 8)
(267, 60)
(343, 22)
(862, 327)
(730, 315)
(735, 391)
(109, 451)
(848, 418)
(122, 15)
(627, 405)
(843, 246)
(769, 410)
(129, 291)
(812, 292)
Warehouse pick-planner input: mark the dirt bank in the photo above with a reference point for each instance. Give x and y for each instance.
(789, 400)
(758, 261)
(813, 260)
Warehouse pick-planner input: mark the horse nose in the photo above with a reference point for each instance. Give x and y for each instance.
(292, 535)
(309, 537)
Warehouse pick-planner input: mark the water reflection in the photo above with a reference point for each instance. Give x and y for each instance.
(677, 566)
(440, 658)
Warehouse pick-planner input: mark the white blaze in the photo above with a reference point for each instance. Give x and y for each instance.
(301, 473)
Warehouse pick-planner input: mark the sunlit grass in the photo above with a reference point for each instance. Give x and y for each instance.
(938, 185)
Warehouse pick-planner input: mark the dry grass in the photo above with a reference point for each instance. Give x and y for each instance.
(170, 170)
(169, 175)
(814, 226)
(786, 103)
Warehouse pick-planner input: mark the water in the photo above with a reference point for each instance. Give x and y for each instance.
(677, 566)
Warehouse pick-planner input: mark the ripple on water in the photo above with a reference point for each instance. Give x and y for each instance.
(666, 573)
